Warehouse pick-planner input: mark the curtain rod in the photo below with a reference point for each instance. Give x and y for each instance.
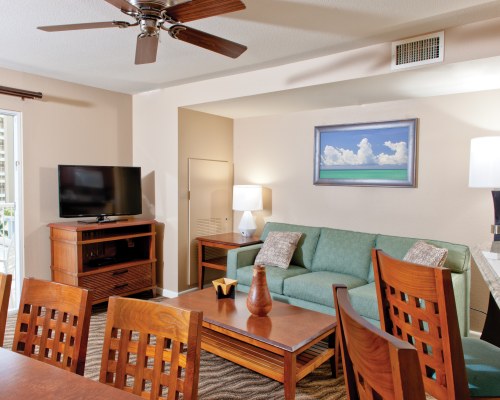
(25, 94)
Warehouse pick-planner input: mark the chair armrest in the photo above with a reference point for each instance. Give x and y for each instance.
(241, 257)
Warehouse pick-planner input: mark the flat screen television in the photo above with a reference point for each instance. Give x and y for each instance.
(99, 191)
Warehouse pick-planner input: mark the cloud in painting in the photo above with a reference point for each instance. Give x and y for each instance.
(334, 156)
(400, 155)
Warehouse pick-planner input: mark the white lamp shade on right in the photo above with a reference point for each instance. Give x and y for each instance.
(484, 167)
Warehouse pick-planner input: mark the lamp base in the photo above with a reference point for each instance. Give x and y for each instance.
(247, 225)
(496, 207)
(247, 232)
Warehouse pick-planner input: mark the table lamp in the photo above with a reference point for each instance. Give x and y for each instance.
(484, 172)
(247, 198)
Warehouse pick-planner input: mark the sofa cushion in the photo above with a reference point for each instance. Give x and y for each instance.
(364, 300)
(306, 247)
(426, 254)
(278, 249)
(482, 363)
(344, 252)
(458, 259)
(274, 276)
(317, 286)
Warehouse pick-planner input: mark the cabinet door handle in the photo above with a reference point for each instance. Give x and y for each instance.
(123, 285)
(124, 271)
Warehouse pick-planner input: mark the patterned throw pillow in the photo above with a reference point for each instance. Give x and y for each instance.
(426, 254)
(278, 249)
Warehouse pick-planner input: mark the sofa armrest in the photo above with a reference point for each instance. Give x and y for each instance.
(241, 257)
(461, 290)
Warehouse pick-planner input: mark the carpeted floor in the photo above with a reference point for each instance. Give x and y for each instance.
(219, 379)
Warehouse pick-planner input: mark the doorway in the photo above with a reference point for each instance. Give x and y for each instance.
(210, 210)
(10, 195)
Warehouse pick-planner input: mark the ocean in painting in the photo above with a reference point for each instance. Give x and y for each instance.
(383, 174)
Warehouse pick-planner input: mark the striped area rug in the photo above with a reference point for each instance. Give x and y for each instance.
(219, 379)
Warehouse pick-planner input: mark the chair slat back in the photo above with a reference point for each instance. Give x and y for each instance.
(416, 304)
(376, 364)
(151, 349)
(53, 324)
(5, 284)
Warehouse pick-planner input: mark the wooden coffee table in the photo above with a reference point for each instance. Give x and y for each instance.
(285, 346)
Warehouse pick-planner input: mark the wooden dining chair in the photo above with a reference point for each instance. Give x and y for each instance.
(5, 284)
(376, 364)
(151, 349)
(53, 324)
(417, 304)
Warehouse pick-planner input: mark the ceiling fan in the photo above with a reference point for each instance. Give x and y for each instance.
(151, 15)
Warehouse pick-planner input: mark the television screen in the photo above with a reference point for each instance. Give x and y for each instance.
(99, 191)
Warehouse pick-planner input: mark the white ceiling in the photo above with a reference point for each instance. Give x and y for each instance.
(275, 31)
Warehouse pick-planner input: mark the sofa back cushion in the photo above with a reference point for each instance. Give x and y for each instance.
(306, 247)
(458, 259)
(345, 252)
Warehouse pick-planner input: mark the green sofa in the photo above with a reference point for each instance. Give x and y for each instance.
(325, 256)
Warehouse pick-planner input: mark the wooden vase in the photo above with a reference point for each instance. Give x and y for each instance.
(259, 301)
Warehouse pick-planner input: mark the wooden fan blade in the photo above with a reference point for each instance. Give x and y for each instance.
(207, 41)
(197, 9)
(145, 51)
(72, 27)
(124, 6)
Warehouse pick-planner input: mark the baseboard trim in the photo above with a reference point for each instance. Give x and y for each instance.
(170, 293)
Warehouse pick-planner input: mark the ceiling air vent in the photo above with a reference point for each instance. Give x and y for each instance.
(426, 49)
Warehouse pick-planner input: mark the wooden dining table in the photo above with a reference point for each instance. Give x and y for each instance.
(22, 377)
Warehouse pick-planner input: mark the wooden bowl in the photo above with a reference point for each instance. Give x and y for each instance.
(225, 285)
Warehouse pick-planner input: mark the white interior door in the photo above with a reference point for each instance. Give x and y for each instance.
(210, 209)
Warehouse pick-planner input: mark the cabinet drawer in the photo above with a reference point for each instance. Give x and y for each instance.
(119, 281)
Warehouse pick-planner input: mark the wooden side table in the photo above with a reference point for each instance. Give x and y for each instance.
(225, 241)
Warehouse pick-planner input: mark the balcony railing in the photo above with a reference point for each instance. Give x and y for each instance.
(7, 211)
(7, 246)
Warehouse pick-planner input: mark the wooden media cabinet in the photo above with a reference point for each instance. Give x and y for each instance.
(113, 258)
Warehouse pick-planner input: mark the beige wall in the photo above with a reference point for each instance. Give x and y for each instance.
(277, 152)
(72, 124)
(201, 136)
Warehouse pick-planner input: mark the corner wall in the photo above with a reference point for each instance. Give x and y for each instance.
(202, 136)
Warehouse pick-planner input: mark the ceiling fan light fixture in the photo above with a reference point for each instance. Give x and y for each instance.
(149, 27)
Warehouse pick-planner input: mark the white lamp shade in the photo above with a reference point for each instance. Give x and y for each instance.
(247, 197)
(484, 171)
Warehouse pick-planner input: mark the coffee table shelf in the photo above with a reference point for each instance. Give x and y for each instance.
(264, 362)
(258, 360)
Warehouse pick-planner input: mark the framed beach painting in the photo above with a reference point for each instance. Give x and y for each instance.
(367, 154)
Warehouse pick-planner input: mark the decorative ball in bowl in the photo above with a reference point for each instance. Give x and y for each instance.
(225, 287)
